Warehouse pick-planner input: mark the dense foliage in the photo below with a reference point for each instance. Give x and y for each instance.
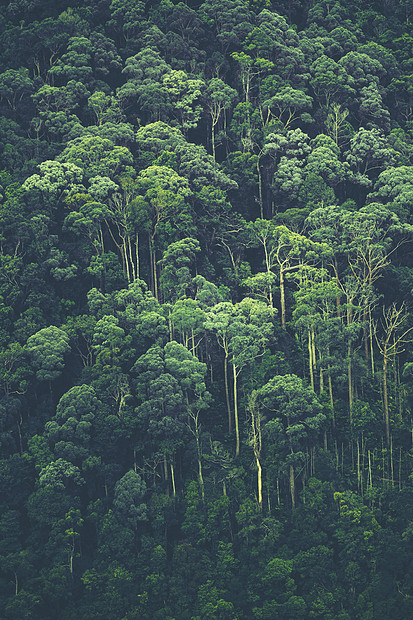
(206, 284)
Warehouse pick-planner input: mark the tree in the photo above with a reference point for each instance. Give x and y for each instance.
(172, 393)
(330, 81)
(288, 105)
(97, 156)
(71, 429)
(392, 343)
(55, 179)
(295, 414)
(176, 261)
(219, 98)
(105, 108)
(287, 251)
(14, 85)
(369, 152)
(242, 330)
(163, 194)
(127, 503)
(145, 71)
(183, 94)
(47, 349)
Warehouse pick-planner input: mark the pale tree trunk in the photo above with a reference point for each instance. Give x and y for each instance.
(227, 391)
(330, 392)
(268, 266)
(196, 430)
(292, 486)
(236, 410)
(313, 351)
(260, 200)
(385, 399)
(259, 481)
(310, 360)
(371, 343)
(350, 384)
(256, 441)
(155, 277)
(282, 295)
(213, 139)
(173, 480)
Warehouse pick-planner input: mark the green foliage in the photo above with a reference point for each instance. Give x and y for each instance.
(205, 309)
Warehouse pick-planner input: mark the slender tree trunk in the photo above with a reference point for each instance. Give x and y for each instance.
(366, 338)
(227, 392)
(371, 343)
(125, 261)
(350, 383)
(151, 284)
(213, 139)
(236, 410)
(173, 480)
(201, 479)
(137, 256)
(259, 480)
(165, 473)
(282, 295)
(310, 360)
(132, 262)
(330, 392)
(292, 486)
(370, 477)
(268, 266)
(313, 351)
(260, 200)
(155, 277)
(385, 400)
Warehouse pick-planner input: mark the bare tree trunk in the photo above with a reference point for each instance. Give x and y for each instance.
(173, 480)
(213, 139)
(330, 391)
(236, 410)
(310, 360)
(227, 392)
(350, 384)
(385, 400)
(260, 200)
(259, 481)
(292, 486)
(282, 294)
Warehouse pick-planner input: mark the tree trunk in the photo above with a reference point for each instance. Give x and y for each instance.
(173, 480)
(137, 256)
(259, 481)
(385, 400)
(292, 486)
(236, 410)
(227, 392)
(282, 294)
(310, 360)
(350, 384)
(155, 277)
(330, 392)
(201, 479)
(260, 201)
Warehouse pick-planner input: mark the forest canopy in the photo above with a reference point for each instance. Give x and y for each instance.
(206, 295)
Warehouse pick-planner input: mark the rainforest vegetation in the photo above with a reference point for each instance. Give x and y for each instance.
(206, 303)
